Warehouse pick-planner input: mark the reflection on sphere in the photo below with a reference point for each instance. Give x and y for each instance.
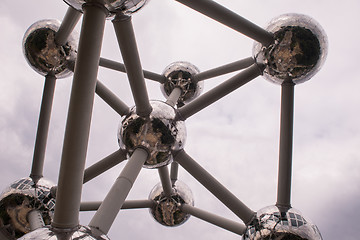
(43, 54)
(167, 210)
(298, 51)
(49, 233)
(272, 223)
(19, 199)
(180, 75)
(159, 134)
(126, 7)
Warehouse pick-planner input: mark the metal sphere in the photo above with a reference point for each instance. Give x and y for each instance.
(181, 75)
(22, 197)
(43, 54)
(298, 51)
(167, 210)
(272, 223)
(159, 133)
(126, 7)
(49, 233)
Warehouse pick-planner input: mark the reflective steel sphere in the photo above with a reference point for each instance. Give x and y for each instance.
(180, 74)
(126, 7)
(22, 197)
(298, 52)
(167, 210)
(43, 54)
(271, 223)
(49, 233)
(159, 134)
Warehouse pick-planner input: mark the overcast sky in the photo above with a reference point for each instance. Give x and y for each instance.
(235, 139)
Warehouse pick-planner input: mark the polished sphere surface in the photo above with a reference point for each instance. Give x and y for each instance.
(19, 199)
(167, 210)
(298, 51)
(43, 54)
(49, 233)
(181, 75)
(272, 223)
(159, 134)
(126, 7)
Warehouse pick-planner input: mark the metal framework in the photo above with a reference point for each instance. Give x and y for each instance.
(72, 172)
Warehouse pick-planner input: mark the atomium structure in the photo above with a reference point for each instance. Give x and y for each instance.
(152, 134)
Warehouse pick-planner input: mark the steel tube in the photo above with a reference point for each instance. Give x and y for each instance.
(174, 172)
(121, 68)
(174, 96)
(214, 186)
(128, 204)
(286, 144)
(110, 98)
(43, 128)
(218, 92)
(230, 19)
(127, 43)
(35, 219)
(73, 158)
(67, 26)
(108, 210)
(165, 180)
(230, 225)
(104, 165)
(228, 68)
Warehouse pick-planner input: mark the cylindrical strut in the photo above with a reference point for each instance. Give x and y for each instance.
(72, 165)
(286, 144)
(43, 128)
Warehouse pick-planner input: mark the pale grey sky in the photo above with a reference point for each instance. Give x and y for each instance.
(235, 139)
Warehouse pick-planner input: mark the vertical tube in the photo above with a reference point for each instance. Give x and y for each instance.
(110, 207)
(79, 118)
(67, 26)
(43, 128)
(127, 43)
(286, 142)
(174, 171)
(216, 188)
(165, 180)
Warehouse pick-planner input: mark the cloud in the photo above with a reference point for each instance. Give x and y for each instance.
(235, 139)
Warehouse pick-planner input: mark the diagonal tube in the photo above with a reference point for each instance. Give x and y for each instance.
(286, 142)
(73, 158)
(228, 68)
(128, 204)
(108, 210)
(218, 92)
(215, 187)
(121, 68)
(230, 19)
(127, 43)
(174, 96)
(35, 220)
(165, 180)
(105, 164)
(67, 26)
(230, 225)
(43, 128)
(110, 98)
